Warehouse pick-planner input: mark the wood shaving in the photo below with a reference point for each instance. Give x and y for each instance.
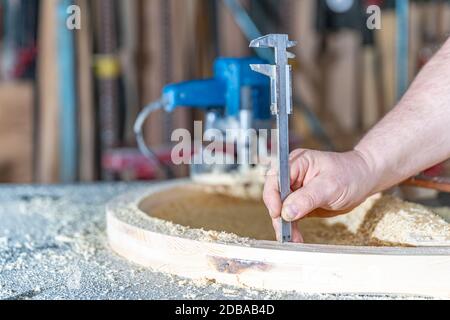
(380, 221)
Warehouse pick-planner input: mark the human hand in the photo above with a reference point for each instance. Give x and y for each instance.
(324, 184)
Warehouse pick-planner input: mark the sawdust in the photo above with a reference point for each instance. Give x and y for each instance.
(130, 208)
(53, 246)
(243, 185)
(410, 224)
(443, 212)
(215, 216)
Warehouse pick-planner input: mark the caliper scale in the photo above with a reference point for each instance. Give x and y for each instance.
(281, 106)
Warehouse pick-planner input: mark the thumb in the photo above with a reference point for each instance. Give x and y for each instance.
(307, 199)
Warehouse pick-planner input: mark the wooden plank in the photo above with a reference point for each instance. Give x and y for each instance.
(416, 38)
(310, 269)
(232, 42)
(152, 77)
(86, 96)
(431, 21)
(183, 30)
(16, 132)
(129, 40)
(342, 83)
(444, 20)
(385, 39)
(47, 77)
(168, 50)
(371, 111)
(306, 71)
(433, 183)
(204, 51)
(307, 76)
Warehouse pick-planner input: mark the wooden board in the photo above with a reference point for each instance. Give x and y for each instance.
(371, 111)
(182, 28)
(166, 30)
(342, 83)
(129, 37)
(47, 77)
(385, 39)
(152, 80)
(306, 78)
(232, 42)
(86, 95)
(415, 39)
(16, 132)
(270, 265)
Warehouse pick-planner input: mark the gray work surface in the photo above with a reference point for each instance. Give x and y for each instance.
(53, 246)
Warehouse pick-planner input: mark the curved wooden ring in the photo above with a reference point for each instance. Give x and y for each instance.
(311, 269)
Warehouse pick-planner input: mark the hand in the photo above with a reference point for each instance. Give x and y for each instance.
(324, 185)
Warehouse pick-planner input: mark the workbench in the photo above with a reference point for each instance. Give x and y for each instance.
(53, 246)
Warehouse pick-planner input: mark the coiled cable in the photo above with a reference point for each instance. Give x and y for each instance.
(142, 145)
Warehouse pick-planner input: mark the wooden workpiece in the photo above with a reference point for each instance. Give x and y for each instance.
(230, 259)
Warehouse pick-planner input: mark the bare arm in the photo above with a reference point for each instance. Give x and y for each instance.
(416, 134)
(411, 138)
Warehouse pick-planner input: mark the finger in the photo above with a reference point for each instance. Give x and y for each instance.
(298, 168)
(305, 200)
(296, 234)
(297, 154)
(277, 227)
(271, 195)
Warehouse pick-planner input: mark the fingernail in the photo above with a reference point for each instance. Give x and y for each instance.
(290, 212)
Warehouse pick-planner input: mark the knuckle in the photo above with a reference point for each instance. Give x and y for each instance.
(271, 172)
(309, 201)
(335, 192)
(266, 197)
(341, 200)
(304, 202)
(295, 153)
(333, 187)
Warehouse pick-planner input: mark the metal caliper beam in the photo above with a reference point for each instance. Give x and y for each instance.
(281, 93)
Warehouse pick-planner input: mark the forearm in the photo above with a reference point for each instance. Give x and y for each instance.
(416, 134)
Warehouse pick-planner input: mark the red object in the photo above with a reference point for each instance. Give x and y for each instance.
(26, 57)
(374, 2)
(435, 171)
(133, 163)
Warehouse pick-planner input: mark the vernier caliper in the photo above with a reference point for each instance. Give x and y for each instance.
(281, 92)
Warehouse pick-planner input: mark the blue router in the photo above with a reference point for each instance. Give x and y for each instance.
(233, 89)
(235, 98)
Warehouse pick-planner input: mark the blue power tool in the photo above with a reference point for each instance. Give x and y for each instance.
(235, 98)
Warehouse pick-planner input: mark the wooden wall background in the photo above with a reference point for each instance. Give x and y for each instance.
(339, 85)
